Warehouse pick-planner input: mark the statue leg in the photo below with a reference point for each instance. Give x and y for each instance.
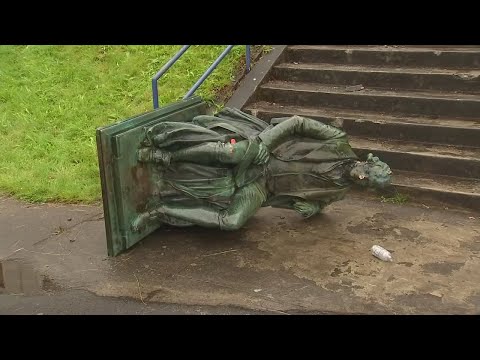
(210, 153)
(245, 203)
(157, 216)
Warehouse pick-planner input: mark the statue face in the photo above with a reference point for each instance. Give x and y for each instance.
(372, 173)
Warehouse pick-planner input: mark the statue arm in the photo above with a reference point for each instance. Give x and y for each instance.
(299, 126)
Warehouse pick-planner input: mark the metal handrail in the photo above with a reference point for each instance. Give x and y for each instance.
(212, 67)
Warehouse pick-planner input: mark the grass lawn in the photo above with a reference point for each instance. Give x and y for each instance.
(52, 98)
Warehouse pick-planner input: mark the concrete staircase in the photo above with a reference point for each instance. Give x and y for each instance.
(416, 107)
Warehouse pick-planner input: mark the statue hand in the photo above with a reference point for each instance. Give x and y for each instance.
(306, 209)
(262, 156)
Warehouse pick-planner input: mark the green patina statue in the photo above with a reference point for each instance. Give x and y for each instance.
(217, 171)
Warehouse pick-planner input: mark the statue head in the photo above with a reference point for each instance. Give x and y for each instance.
(372, 173)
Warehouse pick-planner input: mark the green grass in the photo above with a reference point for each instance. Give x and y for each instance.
(396, 199)
(52, 98)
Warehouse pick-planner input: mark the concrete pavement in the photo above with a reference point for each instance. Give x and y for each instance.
(279, 263)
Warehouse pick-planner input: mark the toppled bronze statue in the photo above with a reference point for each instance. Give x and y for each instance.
(217, 171)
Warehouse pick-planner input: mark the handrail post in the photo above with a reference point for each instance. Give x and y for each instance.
(248, 57)
(155, 93)
(162, 71)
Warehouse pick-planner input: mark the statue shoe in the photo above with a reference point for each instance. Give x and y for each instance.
(142, 220)
(145, 155)
(154, 155)
(162, 157)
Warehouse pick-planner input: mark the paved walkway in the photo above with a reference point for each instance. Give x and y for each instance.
(279, 263)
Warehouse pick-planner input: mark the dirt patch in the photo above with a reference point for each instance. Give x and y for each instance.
(49, 285)
(475, 300)
(377, 225)
(419, 301)
(443, 268)
(473, 245)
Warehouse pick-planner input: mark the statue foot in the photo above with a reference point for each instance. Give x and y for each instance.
(154, 155)
(145, 155)
(140, 222)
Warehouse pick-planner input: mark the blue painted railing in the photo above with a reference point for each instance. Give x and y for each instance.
(212, 67)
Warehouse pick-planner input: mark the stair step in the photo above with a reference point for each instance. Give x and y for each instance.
(419, 110)
(449, 190)
(454, 57)
(397, 48)
(415, 103)
(377, 125)
(467, 81)
(421, 157)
